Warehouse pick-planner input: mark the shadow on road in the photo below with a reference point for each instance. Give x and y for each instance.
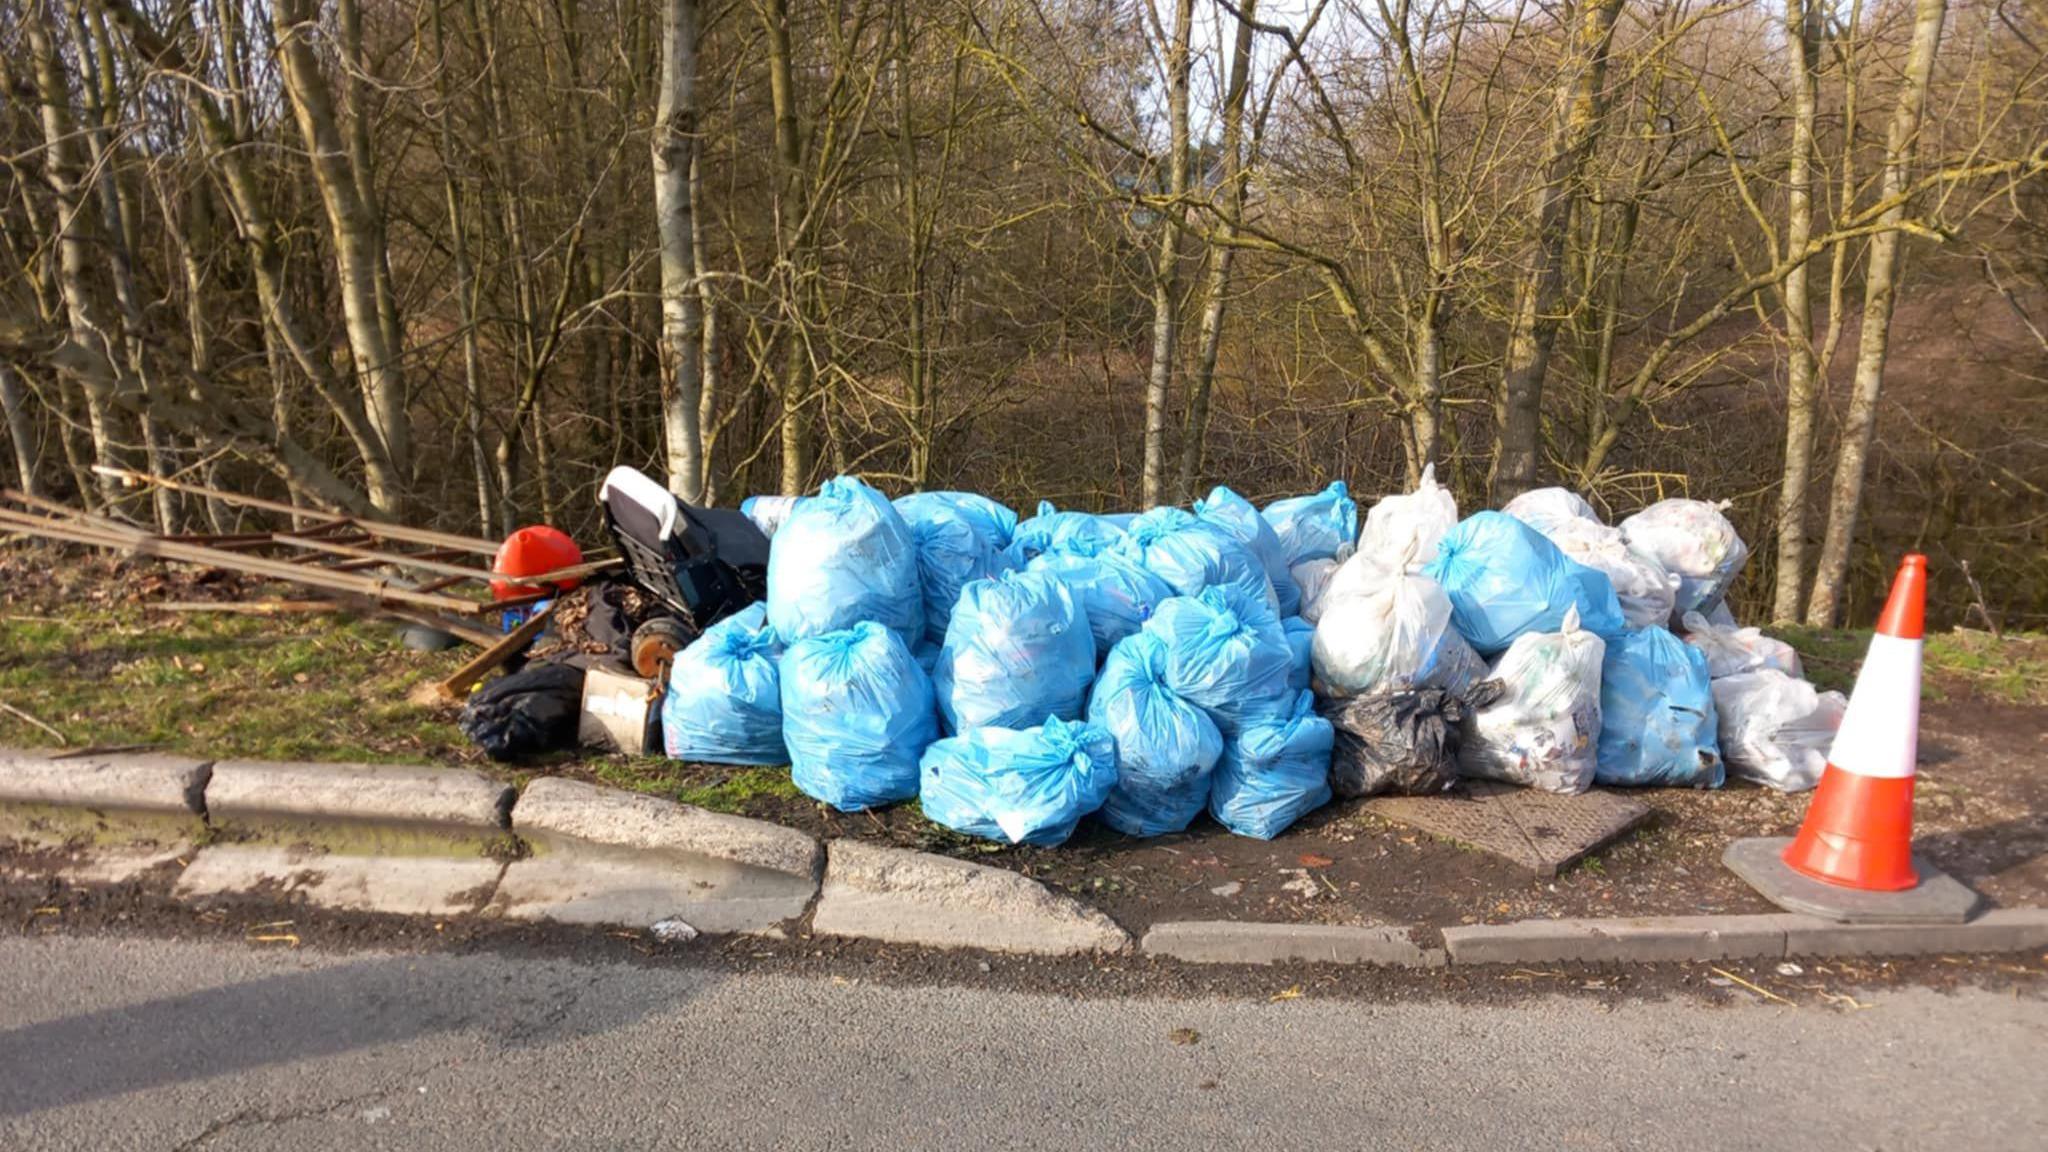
(319, 1012)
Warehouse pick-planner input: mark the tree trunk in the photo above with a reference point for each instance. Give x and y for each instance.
(1195, 431)
(356, 230)
(1581, 100)
(1880, 287)
(1165, 274)
(465, 289)
(682, 317)
(708, 370)
(789, 216)
(21, 430)
(1802, 36)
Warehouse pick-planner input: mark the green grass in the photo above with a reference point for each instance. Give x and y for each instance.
(721, 789)
(2012, 668)
(221, 685)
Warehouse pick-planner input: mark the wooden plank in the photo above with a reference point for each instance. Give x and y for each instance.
(393, 559)
(456, 688)
(400, 532)
(248, 607)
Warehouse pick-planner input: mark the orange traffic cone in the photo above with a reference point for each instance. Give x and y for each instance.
(1859, 829)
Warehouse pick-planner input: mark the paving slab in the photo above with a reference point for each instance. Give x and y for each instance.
(1640, 940)
(639, 889)
(1540, 831)
(553, 807)
(405, 885)
(1939, 898)
(243, 791)
(1998, 930)
(906, 897)
(142, 782)
(1240, 942)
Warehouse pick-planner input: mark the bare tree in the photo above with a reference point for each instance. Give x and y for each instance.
(675, 130)
(1173, 182)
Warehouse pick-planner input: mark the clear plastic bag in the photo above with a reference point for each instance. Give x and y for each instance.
(1776, 729)
(1166, 746)
(856, 716)
(1225, 653)
(1544, 730)
(1695, 542)
(1116, 594)
(960, 537)
(1732, 650)
(1505, 580)
(1383, 629)
(844, 556)
(724, 699)
(1019, 650)
(1052, 530)
(1645, 591)
(1546, 508)
(1314, 527)
(1275, 770)
(1657, 720)
(1234, 514)
(1312, 578)
(1191, 554)
(1020, 786)
(1409, 524)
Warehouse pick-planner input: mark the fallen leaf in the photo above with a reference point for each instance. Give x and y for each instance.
(1293, 993)
(1184, 1036)
(1311, 860)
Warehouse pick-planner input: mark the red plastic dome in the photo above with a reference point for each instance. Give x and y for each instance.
(531, 552)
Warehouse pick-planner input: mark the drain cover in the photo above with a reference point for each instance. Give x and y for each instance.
(1540, 831)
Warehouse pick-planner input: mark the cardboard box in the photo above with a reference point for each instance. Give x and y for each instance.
(621, 712)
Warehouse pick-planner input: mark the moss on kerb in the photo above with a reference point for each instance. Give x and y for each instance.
(56, 826)
(353, 837)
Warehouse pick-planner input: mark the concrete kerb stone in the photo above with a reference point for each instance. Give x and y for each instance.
(136, 782)
(904, 897)
(1238, 942)
(1640, 940)
(1998, 930)
(243, 791)
(555, 808)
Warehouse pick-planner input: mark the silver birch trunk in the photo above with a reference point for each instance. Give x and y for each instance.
(1802, 38)
(1166, 274)
(682, 316)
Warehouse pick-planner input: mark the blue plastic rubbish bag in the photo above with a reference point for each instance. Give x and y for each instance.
(1165, 746)
(856, 715)
(1021, 786)
(1116, 594)
(960, 537)
(724, 701)
(1191, 554)
(1315, 527)
(1225, 653)
(1018, 650)
(768, 512)
(1274, 771)
(1505, 579)
(1657, 719)
(844, 556)
(1235, 515)
(1301, 640)
(1052, 530)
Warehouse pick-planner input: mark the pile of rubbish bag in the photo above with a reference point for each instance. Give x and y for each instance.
(1018, 676)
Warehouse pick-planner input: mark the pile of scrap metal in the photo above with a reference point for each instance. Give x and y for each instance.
(681, 568)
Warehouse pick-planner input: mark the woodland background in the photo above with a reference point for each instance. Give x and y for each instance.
(451, 260)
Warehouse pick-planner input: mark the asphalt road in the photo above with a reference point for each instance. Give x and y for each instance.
(126, 1042)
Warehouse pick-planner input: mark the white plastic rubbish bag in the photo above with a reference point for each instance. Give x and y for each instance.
(1018, 650)
(844, 556)
(1776, 729)
(856, 715)
(1191, 554)
(1028, 786)
(1384, 629)
(1546, 508)
(1235, 515)
(1166, 747)
(1506, 579)
(960, 537)
(1225, 653)
(1114, 592)
(1275, 769)
(1316, 527)
(1544, 731)
(1409, 524)
(1657, 719)
(1731, 651)
(1695, 542)
(768, 512)
(1312, 578)
(1052, 530)
(724, 699)
(1644, 589)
